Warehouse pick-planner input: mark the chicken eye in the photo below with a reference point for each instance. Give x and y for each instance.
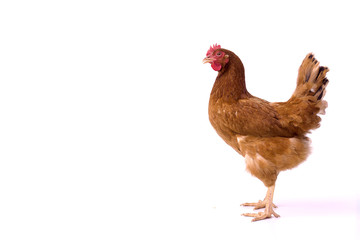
(218, 54)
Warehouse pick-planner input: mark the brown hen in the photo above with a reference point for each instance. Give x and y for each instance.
(270, 136)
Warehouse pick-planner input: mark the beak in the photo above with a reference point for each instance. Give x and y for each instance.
(208, 60)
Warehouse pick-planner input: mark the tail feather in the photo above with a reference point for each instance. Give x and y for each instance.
(311, 83)
(300, 112)
(311, 76)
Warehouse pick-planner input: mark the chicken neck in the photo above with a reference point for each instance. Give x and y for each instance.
(230, 82)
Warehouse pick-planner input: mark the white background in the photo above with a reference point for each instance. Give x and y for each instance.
(104, 129)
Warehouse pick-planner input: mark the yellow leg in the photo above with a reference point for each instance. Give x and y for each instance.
(267, 203)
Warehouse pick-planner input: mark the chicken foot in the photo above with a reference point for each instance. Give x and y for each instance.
(267, 203)
(258, 205)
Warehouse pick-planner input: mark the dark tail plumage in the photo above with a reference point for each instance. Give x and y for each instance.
(311, 83)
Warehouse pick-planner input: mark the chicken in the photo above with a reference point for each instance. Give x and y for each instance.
(271, 136)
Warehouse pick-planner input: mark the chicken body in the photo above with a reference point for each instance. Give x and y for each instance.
(270, 136)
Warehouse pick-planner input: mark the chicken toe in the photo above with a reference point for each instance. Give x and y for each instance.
(258, 205)
(262, 215)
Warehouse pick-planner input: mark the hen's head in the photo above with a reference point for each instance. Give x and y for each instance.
(216, 57)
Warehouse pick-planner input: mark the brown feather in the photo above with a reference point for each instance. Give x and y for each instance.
(271, 136)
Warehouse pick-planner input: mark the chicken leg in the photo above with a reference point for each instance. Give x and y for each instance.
(267, 203)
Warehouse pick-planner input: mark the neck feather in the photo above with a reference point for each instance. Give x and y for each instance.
(230, 82)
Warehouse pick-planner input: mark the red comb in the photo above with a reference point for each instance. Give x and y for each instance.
(212, 49)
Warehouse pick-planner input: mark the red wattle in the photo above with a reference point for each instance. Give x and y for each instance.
(216, 66)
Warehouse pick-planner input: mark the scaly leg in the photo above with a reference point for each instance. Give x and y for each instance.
(267, 203)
